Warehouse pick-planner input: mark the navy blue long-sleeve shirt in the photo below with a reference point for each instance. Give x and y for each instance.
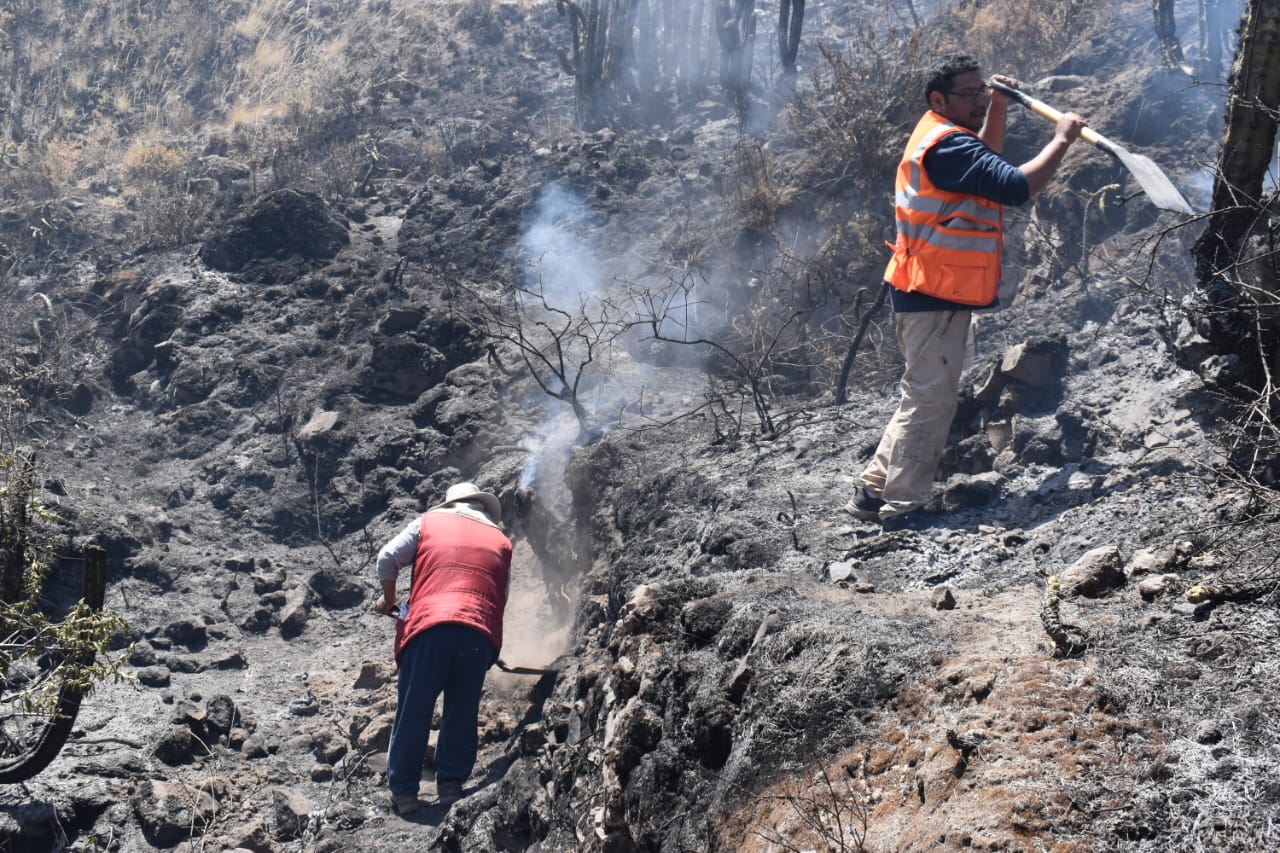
(961, 163)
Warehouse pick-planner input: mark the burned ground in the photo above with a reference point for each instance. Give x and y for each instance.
(739, 665)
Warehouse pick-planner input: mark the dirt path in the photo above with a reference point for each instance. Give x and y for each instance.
(982, 755)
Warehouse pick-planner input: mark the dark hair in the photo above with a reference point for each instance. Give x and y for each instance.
(944, 68)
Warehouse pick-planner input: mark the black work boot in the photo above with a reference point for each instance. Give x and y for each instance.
(865, 505)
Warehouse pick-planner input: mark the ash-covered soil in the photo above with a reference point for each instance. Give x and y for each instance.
(736, 663)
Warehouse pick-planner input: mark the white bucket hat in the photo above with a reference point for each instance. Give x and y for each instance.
(471, 492)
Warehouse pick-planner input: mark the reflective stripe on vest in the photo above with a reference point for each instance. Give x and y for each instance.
(949, 243)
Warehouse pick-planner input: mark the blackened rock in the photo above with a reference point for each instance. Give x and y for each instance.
(258, 621)
(1078, 438)
(268, 581)
(991, 385)
(328, 747)
(336, 590)
(30, 825)
(401, 368)
(1095, 573)
(712, 730)
(639, 728)
(223, 170)
(1222, 370)
(296, 613)
(251, 836)
(142, 655)
(1038, 441)
(703, 618)
(1037, 361)
(157, 316)
(185, 663)
(153, 676)
(1208, 732)
(176, 746)
(189, 633)
(254, 748)
(170, 812)
(80, 400)
(283, 223)
(965, 490)
(221, 715)
(289, 814)
(401, 318)
(193, 717)
(229, 660)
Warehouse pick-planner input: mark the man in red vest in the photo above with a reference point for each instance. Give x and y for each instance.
(448, 634)
(950, 191)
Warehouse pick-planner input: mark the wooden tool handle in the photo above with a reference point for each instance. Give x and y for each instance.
(1042, 109)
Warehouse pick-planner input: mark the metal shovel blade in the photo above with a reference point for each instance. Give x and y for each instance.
(1154, 183)
(525, 670)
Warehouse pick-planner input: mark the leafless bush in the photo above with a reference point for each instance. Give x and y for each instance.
(852, 120)
(760, 191)
(861, 101)
(159, 179)
(558, 341)
(747, 346)
(831, 812)
(47, 352)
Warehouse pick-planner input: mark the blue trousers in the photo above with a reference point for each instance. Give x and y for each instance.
(448, 659)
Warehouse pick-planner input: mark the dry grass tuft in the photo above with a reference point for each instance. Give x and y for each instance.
(1017, 36)
(154, 162)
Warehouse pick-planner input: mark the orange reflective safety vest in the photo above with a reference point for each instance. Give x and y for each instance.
(948, 243)
(460, 575)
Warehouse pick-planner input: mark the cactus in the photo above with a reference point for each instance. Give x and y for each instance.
(1250, 590)
(1068, 640)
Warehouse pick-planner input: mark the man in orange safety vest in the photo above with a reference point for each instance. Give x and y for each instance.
(950, 191)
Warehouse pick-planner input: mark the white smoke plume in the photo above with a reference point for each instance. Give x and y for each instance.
(557, 261)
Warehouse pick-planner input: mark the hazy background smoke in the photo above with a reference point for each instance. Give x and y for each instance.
(556, 260)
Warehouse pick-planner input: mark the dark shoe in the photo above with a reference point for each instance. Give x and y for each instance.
(448, 792)
(865, 505)
(911, 520)
(405, 804)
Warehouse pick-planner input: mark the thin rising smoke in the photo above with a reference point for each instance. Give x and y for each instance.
(561, 266)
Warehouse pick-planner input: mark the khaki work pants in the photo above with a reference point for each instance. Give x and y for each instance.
(902, 471)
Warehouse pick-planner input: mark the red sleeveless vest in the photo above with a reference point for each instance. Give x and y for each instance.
(460, 576)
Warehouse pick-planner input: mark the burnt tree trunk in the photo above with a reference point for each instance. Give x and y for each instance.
(736, 28)
(19, 70)
(1239, 206)
(790, 22)
(1167, 32)
(1216, 25)
(915, 18)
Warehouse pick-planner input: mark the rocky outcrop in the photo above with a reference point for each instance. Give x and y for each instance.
(279, 225)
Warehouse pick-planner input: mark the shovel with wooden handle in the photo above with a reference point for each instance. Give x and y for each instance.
(500, 663)
(1154, 183)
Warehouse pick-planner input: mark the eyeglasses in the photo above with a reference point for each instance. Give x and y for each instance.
(971, 94)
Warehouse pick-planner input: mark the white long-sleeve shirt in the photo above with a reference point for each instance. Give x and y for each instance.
(400, 552)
